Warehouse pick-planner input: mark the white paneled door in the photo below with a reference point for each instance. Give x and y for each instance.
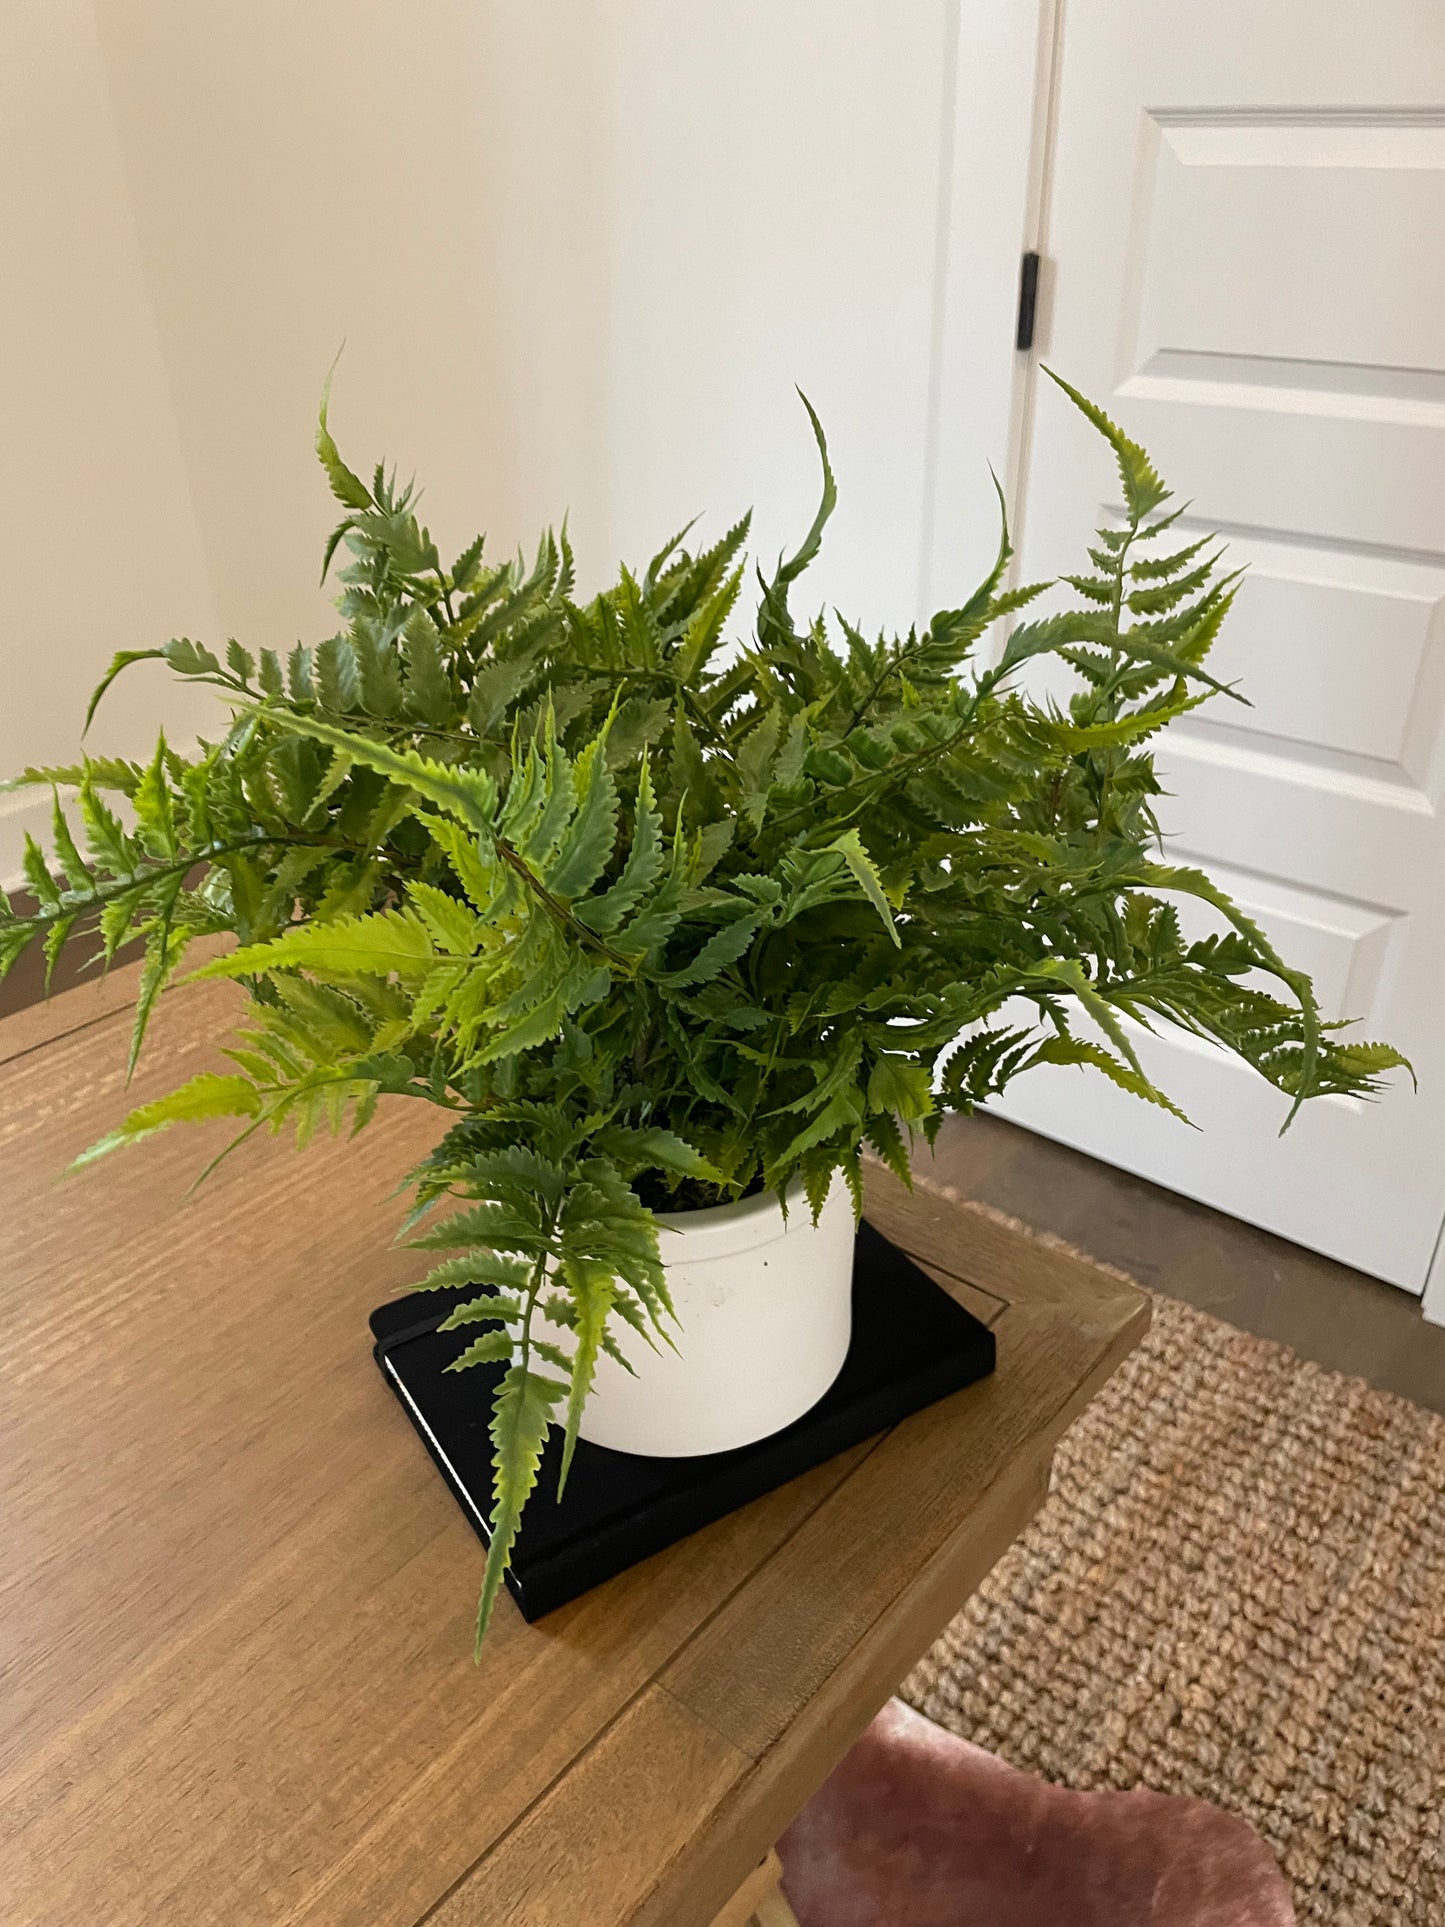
(1245, 238)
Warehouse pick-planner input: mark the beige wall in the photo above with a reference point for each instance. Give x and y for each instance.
(99, 544)
(412, 181)
(579, 254)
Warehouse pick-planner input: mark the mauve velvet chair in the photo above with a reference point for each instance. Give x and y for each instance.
(919, 1829)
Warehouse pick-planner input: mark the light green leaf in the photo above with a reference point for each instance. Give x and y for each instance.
(650, 1147)
(521, 1414)
(470, 795)
(583, 853)
(189, 658)
(901, 1087)
(154, 813)
(76, 874)
(205, 1096)
(15, 940)
(55, 940)
(486, 1350)
(606, 912)
(165, 946)
(384, 943)
(240, 662)
(428, 689)
(452, 924)
(1142, 487)
(861, 867)
(592, 1288)
(338, 677)
(789, 571)
(476, 1268)
(348, 489)
(37, 876)
(104, 836)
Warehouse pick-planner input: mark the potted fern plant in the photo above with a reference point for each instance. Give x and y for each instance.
(669, 928)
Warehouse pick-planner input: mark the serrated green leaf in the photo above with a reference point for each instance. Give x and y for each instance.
(37, 876)
(384, 943)
(1167, 565)
(298, 675)
(634, 1148)
(521, 1414)
(378, 671)
(165, 946)
(105, 838)
(604, 913)
(337, 676)
(15, 940)
(427, 687)
(71, 863)
(348, 489)
(789, 571)
(154, 811)
(206, 1096)
(865, 875)
(1142, 487)
(485, 1350)
(453, 926)
(884, 1135)
(468, 794)
(189, 658)
(55, 938)
(239, 661)
(900, 1087)
(593, 1290)
(583, 852)
(724, 947)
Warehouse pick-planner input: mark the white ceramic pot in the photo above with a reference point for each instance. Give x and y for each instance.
(765, 1314)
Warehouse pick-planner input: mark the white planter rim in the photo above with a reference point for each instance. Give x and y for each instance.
(730, 1223)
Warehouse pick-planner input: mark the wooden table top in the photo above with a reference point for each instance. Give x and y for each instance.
(236, 1600)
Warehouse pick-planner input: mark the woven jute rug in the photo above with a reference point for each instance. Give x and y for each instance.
(1235, 1590)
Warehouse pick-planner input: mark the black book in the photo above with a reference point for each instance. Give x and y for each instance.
(912, 1344)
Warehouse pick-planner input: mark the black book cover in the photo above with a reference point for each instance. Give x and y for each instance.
(912, 1344)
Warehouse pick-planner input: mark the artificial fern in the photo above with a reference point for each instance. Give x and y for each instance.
(658, 922)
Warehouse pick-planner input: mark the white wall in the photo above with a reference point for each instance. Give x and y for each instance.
(579, 254)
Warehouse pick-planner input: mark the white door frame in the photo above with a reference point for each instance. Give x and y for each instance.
(991, 209)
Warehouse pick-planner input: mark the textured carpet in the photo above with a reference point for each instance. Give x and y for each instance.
(1236, 1590)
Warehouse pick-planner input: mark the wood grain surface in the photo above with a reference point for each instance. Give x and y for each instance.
(236, 1682)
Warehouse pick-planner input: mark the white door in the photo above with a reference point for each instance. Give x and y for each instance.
(1245, 255)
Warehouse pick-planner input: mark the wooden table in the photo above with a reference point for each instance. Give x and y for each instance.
(237, 1600)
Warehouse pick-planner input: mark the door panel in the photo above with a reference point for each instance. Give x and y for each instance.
(1247, 237)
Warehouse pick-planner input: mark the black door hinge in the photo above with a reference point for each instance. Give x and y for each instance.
(1028, 300)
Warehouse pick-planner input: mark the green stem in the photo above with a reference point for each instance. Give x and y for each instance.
(562, 911)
